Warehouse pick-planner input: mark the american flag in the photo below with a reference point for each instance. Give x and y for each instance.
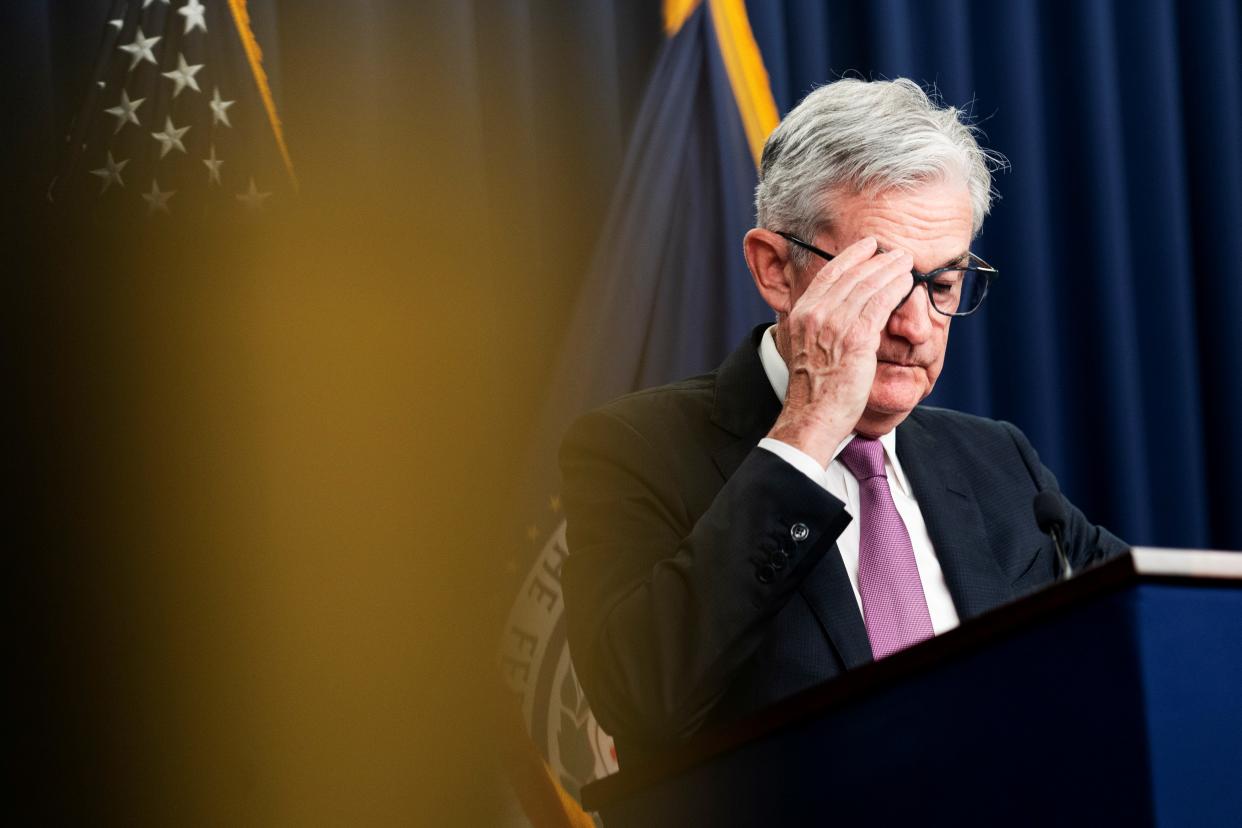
(179, 118)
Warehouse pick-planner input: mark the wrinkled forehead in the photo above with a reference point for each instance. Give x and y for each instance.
(932, 222)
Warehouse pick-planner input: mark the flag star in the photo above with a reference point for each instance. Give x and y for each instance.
(140, 49)
(156, 200)
(183, 75)
(213, 167)
(252, 198)
(111, 173)
(125, 111)
(220, 109)
(116, 24)
(170, 137)
(193, 12)
(146, 3)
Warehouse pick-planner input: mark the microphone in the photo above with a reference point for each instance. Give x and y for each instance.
(1050, 516)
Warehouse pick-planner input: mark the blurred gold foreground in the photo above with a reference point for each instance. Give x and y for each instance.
(280, 482)
(276, 461)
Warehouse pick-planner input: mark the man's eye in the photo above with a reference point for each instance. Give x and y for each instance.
(945, 284)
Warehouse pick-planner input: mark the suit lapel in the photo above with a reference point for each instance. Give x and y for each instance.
(827, 589)
(954, 522)
(745, 405)
(746, 408)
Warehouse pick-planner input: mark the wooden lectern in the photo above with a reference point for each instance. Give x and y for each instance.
(1112, 699)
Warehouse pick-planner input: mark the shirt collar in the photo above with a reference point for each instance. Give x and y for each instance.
(778, 376)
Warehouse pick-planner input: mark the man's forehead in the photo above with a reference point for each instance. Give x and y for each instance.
(932, 222)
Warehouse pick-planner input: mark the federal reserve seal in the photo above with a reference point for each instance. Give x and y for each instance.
(534, 659)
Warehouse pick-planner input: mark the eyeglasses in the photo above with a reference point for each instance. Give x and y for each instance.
(956, 290)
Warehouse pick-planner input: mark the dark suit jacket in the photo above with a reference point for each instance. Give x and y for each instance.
(689, 600)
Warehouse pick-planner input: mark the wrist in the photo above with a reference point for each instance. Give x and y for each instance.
(815, 436)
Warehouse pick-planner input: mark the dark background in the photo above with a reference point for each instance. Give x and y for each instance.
(260, 559)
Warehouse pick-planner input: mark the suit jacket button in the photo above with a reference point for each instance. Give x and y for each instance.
(778, 558)
(799, 532)
(765, 573)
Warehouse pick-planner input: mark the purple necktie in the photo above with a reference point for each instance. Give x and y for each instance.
(894, 607)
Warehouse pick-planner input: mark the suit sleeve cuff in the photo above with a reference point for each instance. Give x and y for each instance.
(797, 458)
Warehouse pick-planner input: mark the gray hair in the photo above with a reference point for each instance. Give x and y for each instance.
(865, 136)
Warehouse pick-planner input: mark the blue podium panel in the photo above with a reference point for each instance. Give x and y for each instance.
(1113, 702)
(1190, 642)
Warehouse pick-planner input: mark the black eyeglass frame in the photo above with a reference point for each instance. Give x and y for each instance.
(984, 270)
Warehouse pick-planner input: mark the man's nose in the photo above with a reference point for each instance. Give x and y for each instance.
(912, 321)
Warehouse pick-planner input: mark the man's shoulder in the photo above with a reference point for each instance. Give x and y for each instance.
(970, 434)
(735, 395)
(651, 433)
(931, 416)
(685, 402)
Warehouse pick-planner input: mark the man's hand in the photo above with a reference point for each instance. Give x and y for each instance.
(830, 338)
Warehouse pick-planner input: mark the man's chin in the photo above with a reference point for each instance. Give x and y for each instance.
(877, 424)
(898, 389)
(889, 404)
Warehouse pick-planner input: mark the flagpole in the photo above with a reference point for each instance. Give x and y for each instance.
(241, 17)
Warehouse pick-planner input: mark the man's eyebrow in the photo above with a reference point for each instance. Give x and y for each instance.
(956, 260)
(959, 259)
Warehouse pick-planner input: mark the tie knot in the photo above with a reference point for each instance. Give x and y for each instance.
(864, 457)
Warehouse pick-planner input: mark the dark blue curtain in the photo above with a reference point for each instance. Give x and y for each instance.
(1112, 334)
(1109, 338)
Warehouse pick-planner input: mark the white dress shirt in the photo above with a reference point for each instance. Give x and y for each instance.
(838, 481)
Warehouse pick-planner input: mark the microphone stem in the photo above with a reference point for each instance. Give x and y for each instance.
(1066, 569)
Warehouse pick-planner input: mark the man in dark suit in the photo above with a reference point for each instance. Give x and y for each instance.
(740, 536)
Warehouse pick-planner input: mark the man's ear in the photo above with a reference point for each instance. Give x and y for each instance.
(767, 258)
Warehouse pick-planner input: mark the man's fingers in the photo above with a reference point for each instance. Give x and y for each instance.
(888, 271)
(840, 267)
(879, 306)
(835, 295)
